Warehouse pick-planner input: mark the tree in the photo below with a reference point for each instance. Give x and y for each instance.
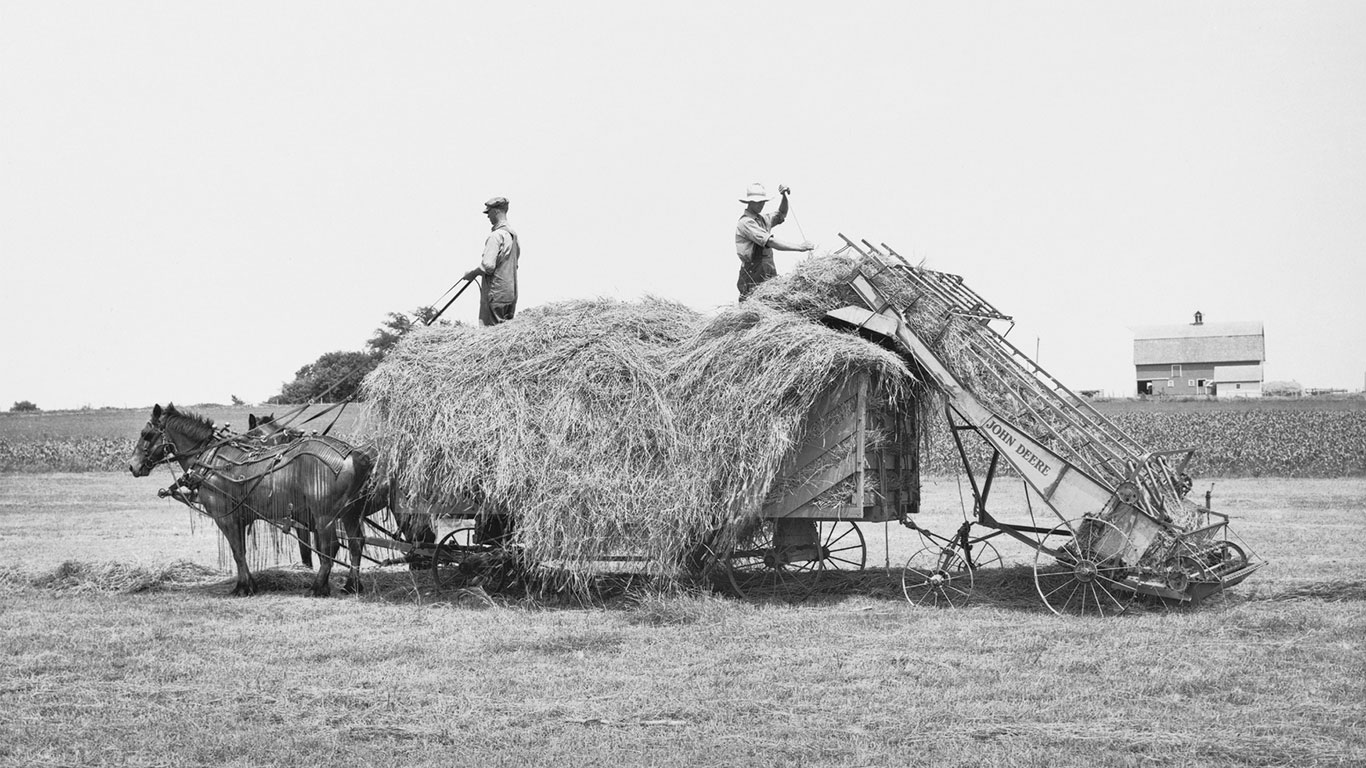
(24, 406)
(1290, 388)
(397, 326)
(237, 400)
(333, 377)
(337, 376)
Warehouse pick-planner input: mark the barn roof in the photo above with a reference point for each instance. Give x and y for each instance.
(1204, 330)
(1237, 341)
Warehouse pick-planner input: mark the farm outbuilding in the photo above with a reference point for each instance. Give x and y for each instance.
(1223, 359)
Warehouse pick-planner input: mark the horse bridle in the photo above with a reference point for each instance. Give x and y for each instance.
(167, 448)
(187, 485)
(163, 445)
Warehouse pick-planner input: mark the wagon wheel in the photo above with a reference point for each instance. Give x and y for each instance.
(937, 576)
(985, 555)
(842, 546)
(1085, 576)
(756, 569)
(942, 576)
(450, 552)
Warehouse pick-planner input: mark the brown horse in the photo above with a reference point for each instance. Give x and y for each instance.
(414, 527)
(312, 482)
(271, 432)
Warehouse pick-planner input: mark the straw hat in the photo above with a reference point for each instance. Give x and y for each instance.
(755, 194)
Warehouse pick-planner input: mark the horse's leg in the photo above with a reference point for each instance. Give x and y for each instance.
(355, 542)
(234, 529)
(325, 538)
(418, 524)
(307, 541)
(353, 505)
(308, 537)
(413, 531)
(423, 537)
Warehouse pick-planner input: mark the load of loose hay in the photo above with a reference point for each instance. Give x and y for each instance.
(607, 428)
(746, 386)
(559, 418)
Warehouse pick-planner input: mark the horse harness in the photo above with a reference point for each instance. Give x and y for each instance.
(247, 462)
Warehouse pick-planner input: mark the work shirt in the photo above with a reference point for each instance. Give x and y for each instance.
(499, 265)
(753, 232)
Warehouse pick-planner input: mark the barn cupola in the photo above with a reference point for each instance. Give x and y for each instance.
(1199, 318)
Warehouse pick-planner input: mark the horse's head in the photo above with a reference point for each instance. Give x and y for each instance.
(269, 431)
(260, 426)
(168, 433)
(151, 447)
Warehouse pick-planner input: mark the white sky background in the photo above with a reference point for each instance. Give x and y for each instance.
(196, 199)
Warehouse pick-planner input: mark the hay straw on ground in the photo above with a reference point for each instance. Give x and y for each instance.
(125, 578)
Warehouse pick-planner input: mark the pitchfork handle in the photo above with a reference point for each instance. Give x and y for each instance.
(468, 282)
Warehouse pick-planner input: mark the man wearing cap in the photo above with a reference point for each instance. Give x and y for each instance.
(754, 240)
(498, 290)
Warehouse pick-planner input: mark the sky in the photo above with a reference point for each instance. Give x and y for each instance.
(197, 199)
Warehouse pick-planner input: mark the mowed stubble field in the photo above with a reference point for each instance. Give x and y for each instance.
(152, 664)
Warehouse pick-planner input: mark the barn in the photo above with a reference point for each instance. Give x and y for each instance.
(1223, 359)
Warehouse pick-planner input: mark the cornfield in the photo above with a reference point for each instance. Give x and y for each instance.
(1228, 442)
(1243, 439)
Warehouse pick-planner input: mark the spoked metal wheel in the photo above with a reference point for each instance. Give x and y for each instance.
(842, 546)
(842, 554)
(450, 553)
(941, 576)
(1085, 576)
(984, 555)
(764, 566)
(937, 576)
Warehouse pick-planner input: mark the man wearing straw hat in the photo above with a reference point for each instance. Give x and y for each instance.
(754, 240)
(498, 290)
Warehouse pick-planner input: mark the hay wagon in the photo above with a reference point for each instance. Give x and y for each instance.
(856, 462)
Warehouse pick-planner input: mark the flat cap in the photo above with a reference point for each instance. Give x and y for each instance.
(496, 202)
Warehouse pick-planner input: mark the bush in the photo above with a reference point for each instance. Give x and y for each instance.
(24, 406)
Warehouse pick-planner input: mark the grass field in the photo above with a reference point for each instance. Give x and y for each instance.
(151, 664)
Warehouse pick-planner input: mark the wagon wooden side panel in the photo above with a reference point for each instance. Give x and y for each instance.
(858, 460)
